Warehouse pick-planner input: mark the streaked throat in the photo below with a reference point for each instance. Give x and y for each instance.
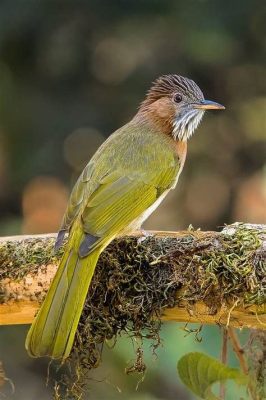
(185, 125)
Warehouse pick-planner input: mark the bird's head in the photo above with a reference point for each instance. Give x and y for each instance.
(177, 104)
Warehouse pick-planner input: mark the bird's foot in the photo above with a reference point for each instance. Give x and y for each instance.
(144, 235)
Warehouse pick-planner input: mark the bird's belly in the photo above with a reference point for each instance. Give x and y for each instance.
(136, 224)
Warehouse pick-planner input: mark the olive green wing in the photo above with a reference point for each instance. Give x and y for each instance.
(117, 202)
(75, 203)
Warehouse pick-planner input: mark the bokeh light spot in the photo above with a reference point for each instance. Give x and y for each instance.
(80, 146)
(206, 198)
(250, 203)
(114, 60)
(252, 116)
(43, 203)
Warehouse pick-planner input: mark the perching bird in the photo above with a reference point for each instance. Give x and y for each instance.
(124, 182)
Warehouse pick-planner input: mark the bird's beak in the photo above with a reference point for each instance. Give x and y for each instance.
(209, 105)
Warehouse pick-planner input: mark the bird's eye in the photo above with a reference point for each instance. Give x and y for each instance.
(177, 98)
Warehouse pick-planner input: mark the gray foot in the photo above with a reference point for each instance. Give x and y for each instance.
(144, 235)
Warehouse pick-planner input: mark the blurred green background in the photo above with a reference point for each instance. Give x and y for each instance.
(71, 72)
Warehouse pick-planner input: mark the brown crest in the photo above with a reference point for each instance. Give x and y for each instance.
(167, 85)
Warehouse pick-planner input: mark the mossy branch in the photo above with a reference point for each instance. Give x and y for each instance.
(190, 276)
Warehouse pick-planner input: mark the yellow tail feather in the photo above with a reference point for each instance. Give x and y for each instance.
(53, 330)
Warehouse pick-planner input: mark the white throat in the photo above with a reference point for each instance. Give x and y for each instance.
(185, 125)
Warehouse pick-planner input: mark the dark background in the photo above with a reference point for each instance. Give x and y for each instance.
(71, 72)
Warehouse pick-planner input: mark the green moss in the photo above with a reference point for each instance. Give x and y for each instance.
(134, 282)
(229, 269)
(19, 259)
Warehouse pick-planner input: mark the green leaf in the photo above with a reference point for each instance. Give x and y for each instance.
(199, 372)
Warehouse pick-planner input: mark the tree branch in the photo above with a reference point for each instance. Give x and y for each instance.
(205, 277)
(242, 360)
(224, 356)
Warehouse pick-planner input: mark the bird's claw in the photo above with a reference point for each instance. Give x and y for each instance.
(144, 236)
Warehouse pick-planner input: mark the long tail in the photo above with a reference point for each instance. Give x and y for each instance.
(53, 330)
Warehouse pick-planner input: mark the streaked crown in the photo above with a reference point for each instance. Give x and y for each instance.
(167, 85)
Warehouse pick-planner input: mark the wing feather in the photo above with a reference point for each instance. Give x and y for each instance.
(116, 204)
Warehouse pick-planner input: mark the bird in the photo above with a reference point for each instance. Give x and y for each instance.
(123, 183)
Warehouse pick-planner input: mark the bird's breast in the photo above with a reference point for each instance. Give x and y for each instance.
(137, 223)
(181, 153)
